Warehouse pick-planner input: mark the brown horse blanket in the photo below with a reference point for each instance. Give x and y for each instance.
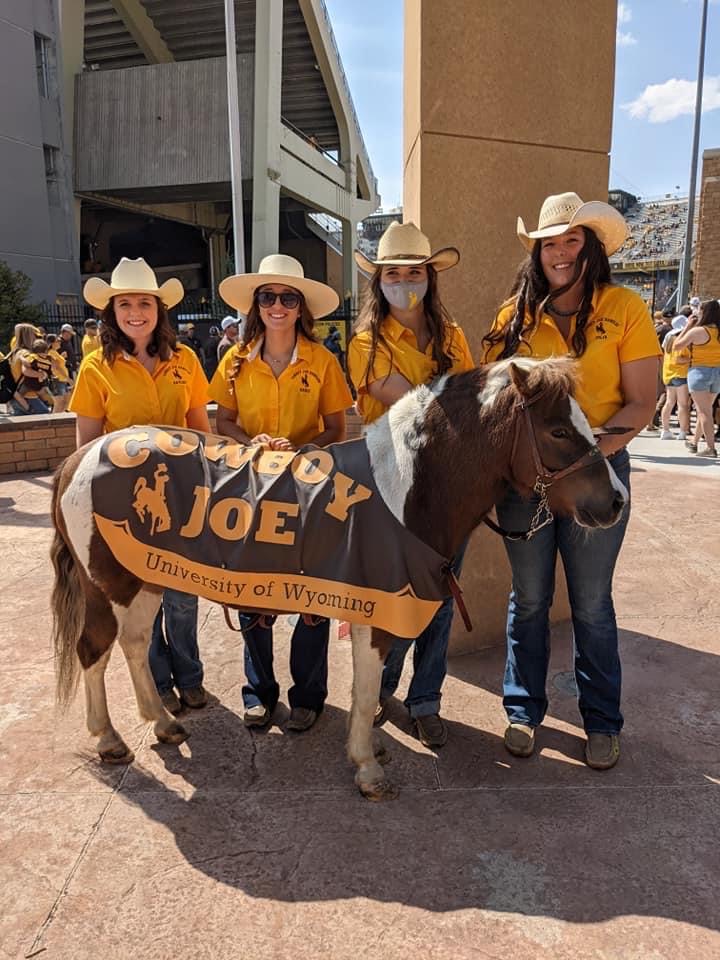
(302, 532)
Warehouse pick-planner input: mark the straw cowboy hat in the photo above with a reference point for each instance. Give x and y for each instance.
(403, 245)
(239, 290)
(132, 276)
(564, 211)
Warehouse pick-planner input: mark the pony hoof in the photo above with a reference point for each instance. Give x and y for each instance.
(119, 755)
(382, 755)
(172, 733)
(378, 790)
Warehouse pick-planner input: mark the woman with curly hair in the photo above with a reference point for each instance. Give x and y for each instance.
(139, 375)
(405, 337)
(564, 302)
(279, 387)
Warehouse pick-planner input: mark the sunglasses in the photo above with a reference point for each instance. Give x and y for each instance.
(266, 298)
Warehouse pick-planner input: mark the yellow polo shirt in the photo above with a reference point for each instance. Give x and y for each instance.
(59, 367)
(90, 343)
(618, 331)
(310, 387)
(707, 354)
(400, 356)
(124, 393)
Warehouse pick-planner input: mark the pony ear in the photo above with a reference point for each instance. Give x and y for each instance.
(519, 378)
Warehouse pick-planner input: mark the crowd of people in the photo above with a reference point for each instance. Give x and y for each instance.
(277, 385)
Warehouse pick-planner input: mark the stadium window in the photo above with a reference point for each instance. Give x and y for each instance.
(50, 155)
(42, 64)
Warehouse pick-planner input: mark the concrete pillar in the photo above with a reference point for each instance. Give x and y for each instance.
(706, 275)
(266, 130)
(505, 103)
(70, 52)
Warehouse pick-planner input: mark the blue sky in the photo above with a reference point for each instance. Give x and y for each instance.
(655, 75)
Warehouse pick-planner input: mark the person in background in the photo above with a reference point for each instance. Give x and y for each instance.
(702, 336)
(674, 374)
(29, 379)
(404, 337)
(186, 335)
(279, 387)
(91, 340)
(230, 328)
(61, 384)
(68, 349)
(333, 343)
(567, 304)
(211, 351)
(141, 375)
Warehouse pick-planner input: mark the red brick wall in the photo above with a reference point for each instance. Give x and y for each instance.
(706, 280)
(42, 442)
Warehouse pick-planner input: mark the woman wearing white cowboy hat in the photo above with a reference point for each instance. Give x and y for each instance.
(564, 302)
(279, 387)
(405, 337)
(141, 375)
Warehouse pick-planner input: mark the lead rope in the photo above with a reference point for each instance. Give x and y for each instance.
(456, 591)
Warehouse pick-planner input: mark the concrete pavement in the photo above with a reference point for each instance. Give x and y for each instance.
(258, 846)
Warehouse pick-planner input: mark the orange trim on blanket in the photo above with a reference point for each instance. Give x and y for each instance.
(403, 613)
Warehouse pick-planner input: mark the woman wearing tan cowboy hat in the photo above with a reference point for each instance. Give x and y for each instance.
(405, 337)
(564, 302)
(278, 386)
(141, 375)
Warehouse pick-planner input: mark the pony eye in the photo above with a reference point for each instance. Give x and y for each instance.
(560, 433)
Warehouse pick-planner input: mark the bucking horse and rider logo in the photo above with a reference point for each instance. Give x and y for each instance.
(150, 501)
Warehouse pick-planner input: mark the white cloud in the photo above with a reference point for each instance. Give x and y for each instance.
(661, 102)
(624, 38)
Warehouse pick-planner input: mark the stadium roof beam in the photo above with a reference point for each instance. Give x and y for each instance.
(142, 30)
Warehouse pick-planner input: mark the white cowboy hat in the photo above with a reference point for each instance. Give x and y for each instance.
(564, 211)
(132, 276)
(239, 290)
(404, 245)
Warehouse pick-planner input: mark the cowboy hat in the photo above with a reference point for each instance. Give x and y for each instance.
(403, 245)
(132, 276)
(564, 211)
(239, 291)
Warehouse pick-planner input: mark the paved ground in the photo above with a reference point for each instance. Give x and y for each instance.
(258, 846)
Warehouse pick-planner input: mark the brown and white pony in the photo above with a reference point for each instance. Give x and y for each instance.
(441, 458)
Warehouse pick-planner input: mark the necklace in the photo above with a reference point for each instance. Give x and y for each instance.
(562, 313)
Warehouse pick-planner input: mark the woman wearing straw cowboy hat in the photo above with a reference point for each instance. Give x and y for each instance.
(564, 302)
(141, 375)
(278, 386)
(405, 337)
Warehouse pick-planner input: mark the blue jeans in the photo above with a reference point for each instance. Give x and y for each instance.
(174, 655)
(35, 405)
(588, 557)
(429, 659)
(308, 665)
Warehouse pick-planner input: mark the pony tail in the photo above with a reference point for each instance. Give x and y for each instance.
(68, 606)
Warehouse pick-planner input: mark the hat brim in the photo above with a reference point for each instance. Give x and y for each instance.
(442, 259)
(98, 293)
(604, 220)
(239, 291)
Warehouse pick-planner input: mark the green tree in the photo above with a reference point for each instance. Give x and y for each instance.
(14, 308)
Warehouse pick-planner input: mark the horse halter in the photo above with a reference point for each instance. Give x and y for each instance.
(544, 478)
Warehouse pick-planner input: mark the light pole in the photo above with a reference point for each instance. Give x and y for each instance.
(684, 278)
(234, 138)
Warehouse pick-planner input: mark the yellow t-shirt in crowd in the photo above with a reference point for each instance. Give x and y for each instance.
(293, 405)
(707, 354)
(124, 393)
(90, 343)
(59, 367)
(675, 364)
(401, 355)
(619, 330)
(16, 362)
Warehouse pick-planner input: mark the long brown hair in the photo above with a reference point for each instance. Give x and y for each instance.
(375, 309)
(162, 343)
(25, 335)
(531, 296)
(304, 326)
(710, 315)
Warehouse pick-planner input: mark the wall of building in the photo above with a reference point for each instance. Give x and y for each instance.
(503, 106)
(36, 226)
(706, 280)
(167, 126)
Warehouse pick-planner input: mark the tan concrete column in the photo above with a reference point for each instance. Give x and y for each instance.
(706, 279)
(506, 101)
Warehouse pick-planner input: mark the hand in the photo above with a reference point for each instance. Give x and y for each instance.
(262, 439)
(280, 443)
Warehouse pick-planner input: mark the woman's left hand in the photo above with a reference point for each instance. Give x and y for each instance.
(280, 443)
